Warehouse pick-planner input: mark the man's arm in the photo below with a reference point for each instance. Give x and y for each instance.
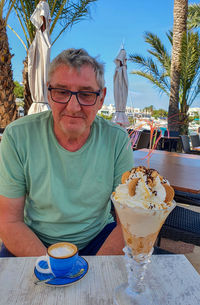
(16, 235)
(114, 244)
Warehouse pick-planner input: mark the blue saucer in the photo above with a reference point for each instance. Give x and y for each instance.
(81, 263)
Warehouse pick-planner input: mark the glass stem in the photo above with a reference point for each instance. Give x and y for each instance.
(136, 269)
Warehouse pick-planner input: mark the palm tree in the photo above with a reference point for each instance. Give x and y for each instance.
(157, 69)
(149, 109)
(193, 16)
(189, 77)
(179, 28)
(8, 111)
(64, 12)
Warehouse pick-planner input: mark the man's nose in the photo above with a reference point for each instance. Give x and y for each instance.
(73, 104)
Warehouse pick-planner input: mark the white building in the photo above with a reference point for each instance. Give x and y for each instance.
(107, 110)
(193, 110)
(130, 111)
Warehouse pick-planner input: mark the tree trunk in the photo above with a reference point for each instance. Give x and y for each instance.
(184, 118)
(180, 26)
(8, 109)
(27, 94)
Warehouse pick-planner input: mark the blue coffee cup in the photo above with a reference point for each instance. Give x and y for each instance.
(60, 259)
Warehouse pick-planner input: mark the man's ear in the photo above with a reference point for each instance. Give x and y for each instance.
(102, 97)
(48, 95)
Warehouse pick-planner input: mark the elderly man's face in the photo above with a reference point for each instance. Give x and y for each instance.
(72, 119)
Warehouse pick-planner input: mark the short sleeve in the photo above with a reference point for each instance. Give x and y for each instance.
(123, 159)
(12, 180)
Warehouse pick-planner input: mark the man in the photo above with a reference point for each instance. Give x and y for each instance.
(58, 168)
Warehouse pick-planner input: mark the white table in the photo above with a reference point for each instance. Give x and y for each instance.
(172, 278)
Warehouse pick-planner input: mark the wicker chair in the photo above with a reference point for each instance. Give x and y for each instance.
(195, 140)
(187, 198)
(181, 225)
(185, 141)
(170, 144)
(143, 140)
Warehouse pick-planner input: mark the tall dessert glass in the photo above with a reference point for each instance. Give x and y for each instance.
(140, 227)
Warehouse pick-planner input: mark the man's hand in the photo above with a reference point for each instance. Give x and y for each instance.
(114, 244)
(16, 235)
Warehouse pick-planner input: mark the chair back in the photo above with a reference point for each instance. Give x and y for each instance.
(143, 141)
(182, 225)
(171, 133)
(170, 144)
(195, 140)
(185, 141)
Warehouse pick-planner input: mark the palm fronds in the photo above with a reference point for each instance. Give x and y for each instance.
(190, 68)
(6, 8)
(64, 12)
(158, 50)
(156, 68)
(68, 13)
(193, 16)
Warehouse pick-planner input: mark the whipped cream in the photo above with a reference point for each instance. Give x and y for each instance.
(144, 188)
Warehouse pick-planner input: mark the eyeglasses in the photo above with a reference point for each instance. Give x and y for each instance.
(63, 96)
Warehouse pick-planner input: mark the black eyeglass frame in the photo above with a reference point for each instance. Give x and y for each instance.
(76, 94)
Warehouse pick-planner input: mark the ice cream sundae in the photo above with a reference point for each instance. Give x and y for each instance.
(143, 200)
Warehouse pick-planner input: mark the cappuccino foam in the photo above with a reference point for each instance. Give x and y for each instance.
(62, 251)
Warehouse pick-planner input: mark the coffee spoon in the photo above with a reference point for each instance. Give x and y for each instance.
(38, 282)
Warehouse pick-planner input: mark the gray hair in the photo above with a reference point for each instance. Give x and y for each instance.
(77, 58)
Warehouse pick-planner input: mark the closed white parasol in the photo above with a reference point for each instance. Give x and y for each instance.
(121, 89)
(39, 58)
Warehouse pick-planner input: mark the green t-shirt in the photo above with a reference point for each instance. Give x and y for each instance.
(67, 193)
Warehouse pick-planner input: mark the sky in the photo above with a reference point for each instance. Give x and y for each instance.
(113, 24)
